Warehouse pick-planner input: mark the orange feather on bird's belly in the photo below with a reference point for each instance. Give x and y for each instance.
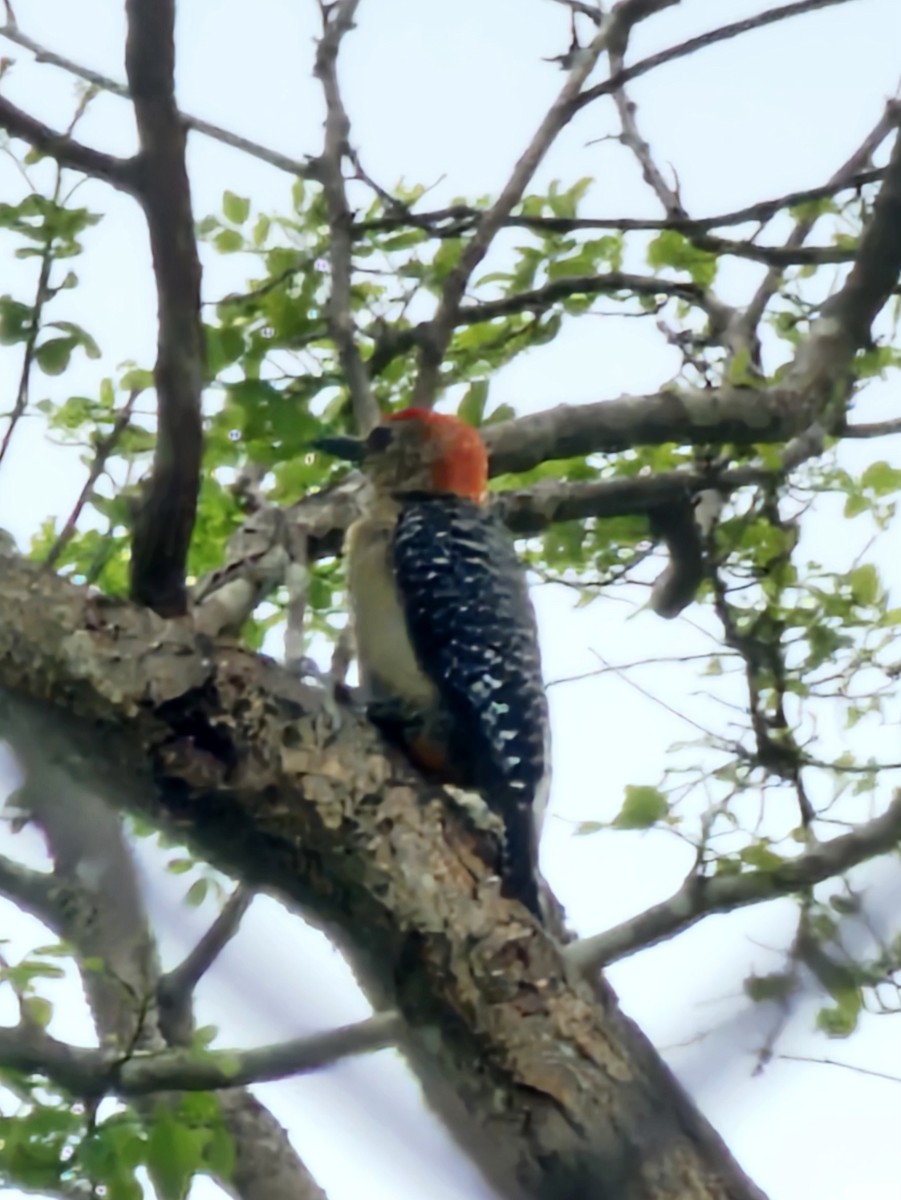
(431, 756)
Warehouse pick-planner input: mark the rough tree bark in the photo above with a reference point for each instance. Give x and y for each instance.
(565, 1097)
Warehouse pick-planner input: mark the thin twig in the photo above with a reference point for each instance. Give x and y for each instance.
(459, 218)
(41, 295)
(723, 33)
(438, 331)
(105, 447)
(175, 990)
(833, 1062)
(857, 162)
(42, 54)
(337, 20)
(701, 896)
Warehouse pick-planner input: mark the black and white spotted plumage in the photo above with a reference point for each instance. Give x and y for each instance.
(472, 627)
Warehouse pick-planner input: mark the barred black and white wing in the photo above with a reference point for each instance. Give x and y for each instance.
(472, 627)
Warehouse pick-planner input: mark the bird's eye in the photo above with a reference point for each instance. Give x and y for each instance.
(379, 439)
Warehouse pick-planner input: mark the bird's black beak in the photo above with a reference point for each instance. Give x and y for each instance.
(341, 446)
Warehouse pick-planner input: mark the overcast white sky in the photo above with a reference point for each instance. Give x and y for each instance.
(448, 94)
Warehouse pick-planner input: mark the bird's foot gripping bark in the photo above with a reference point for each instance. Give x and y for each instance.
(336, 694)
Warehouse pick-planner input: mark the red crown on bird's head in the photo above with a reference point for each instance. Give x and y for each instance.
(461, 464)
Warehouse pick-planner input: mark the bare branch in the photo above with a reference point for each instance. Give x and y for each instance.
(700, 896)
(576, 285)
(460, 218)
(175, 989)
(119, 172)
(877, 264)
(591, 11)
(165, 520)
(337, 20)
(42, 54)
(631, 137)
(41, 295)
(858, 161)
(872, 429)
(438, 332)
(834, 1062)
(90, 1073)
(722, 34)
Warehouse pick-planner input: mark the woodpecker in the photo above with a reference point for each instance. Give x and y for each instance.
(444, 627)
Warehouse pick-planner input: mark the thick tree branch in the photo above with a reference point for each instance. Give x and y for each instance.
(815, 389)
(337, 20)
(701, 896)
(165, 519)
(570, 1097)
(89, 1074)
(256, 556)
(119, 172)
(92, 864)
(741, 415)
(877, 263)
(32, 889)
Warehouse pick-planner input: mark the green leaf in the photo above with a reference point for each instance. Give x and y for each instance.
(672, 249)
(472, 406)
(79, 336)
(174, 1153)
(881, 478)
(643, 807)
(261, 229)
(15, 320)
(840, 1020)
(777, 986)
(220, 1152)
(227, 241)
(39, 1010)
(760, 856)
(855, 505)
(224, 345)
(236, 208)
(864, 583)
(587, 828)
(53, 355)
(197, 893)
(136, 379)
(565, 204)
